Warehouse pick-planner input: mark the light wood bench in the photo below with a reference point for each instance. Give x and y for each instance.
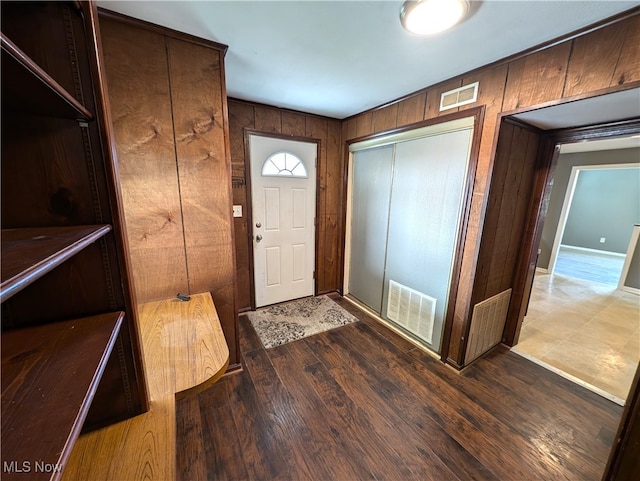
(185, 351)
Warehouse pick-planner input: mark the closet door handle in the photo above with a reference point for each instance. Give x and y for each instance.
(258, 238)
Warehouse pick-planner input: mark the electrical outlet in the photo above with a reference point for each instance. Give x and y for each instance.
(237, 211)
(602, 240)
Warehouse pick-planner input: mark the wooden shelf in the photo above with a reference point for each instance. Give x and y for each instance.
(28, 254)
(49, 376)
(185, 352)
(27, 87)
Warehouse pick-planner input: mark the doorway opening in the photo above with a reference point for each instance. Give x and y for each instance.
(408, 202)
(600, 207)
(282, 217)
(585, 319)
(578, 322)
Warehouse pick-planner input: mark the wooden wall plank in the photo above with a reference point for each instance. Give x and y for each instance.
(628, 66)
(522, 203)
(462, 306)
(201, 155)
(241, 116)
(350, 128)
(334, 171)
(432, 108)
(492, 215)
(411, 109)
(490, 94)
(506, 211)
(143, 130)
(385, 118)
(329, 257)
(364, 124)
(268, 119)
(317, 128)
(320, 272)
(594, 59)
(537, 78)
(507, 207)
(329, 169)
(293, 123)
(204, 170)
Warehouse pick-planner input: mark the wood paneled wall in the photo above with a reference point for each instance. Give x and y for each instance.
(508, 201)
(168, 99)
(260, 118)
(600, 61)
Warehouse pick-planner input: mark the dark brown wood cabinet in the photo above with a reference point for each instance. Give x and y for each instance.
(168, 97)
(71, 354)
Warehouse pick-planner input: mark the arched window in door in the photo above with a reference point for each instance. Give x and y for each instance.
(284, 164)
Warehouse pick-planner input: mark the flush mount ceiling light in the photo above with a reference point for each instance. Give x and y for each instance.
(424, 17)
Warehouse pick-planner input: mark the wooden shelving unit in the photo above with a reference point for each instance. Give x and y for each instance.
(31, 88)
(28, 254)
(49, 377)
(65, 281)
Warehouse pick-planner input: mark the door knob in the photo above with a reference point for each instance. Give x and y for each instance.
(258, 238)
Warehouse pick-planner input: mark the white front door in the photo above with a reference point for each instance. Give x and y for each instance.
(283, 192)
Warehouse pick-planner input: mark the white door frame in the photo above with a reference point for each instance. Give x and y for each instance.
(566, 205)
(250, 236)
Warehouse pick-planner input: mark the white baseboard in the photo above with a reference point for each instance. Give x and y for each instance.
(632, 290)
(542, 270)
(595, 251)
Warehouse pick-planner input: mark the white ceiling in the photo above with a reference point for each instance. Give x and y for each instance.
(632, 142)
(590, 111)
(339, 58)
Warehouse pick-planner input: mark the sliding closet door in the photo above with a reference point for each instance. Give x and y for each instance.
(429, 180)
(371, 190)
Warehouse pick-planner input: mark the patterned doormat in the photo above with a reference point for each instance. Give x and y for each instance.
(282, 323)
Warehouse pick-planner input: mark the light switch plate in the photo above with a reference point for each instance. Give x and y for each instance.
(237, 211)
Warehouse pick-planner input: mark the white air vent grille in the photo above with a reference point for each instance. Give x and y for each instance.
(412, 310)
(461, 96)
(487, 324)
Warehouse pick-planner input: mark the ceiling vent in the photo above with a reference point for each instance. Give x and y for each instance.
(461, 96)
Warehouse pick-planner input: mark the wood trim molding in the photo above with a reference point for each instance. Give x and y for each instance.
(344, 199)
(609, 130)
(253, 103)
(278, 135)
(540, 199)
(566, 100)
(518, 123)
(472, 112)
(546, 162)
(249, 207)
(478, 113)
(233, 369)
(249, 212)
(229, 162)
(135, 22)
(624, 454)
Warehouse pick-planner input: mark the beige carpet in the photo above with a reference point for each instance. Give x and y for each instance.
(282, 323)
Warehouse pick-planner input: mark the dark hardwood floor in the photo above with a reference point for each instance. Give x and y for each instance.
(360, 402)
